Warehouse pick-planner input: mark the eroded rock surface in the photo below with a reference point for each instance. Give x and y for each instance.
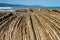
(39, 25)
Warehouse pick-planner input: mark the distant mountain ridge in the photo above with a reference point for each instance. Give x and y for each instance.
(16, 5)
(9, 5)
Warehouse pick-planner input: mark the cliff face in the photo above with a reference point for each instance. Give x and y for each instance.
(33, 25)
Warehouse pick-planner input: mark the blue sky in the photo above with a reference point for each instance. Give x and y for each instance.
(33, 2)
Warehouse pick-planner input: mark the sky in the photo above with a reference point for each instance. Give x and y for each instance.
(33, 2)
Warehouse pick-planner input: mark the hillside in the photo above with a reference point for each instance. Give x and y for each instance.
(10, 5)
(18, 5)
(30, 24)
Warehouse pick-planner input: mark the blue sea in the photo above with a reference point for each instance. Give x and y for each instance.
(18, 8)
(52, 8)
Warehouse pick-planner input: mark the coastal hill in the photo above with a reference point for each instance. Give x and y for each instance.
(17, 5)
(30, 24)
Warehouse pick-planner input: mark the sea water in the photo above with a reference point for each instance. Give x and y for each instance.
(18, 8)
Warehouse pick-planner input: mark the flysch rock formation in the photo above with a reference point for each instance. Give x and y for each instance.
(30, 24)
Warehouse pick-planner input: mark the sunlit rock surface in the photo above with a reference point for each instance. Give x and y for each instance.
(30, 24)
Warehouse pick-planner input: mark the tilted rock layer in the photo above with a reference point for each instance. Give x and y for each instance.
(32, 25)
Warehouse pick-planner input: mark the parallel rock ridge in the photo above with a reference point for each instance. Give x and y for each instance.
(30, 24)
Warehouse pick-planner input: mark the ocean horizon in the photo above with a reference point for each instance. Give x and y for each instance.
(18, 8)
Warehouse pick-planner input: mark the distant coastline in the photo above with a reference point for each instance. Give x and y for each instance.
(18, 7)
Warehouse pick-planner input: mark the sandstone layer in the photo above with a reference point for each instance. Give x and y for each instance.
(30, 24)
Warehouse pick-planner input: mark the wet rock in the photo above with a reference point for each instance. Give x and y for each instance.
(56, 11)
